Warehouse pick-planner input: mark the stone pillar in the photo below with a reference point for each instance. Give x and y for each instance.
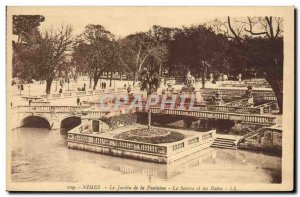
(251, 101)
(103, 127)
(199, 98)
(249, 95)
(162, 82)
(55, 124)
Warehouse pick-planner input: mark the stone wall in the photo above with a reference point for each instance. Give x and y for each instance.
(268, 140)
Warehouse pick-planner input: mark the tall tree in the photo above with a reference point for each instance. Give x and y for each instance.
(25, 27)
(163, 36)
(141, 47)
(51, 54)
(94, 50)
(194, 48)
(260, 42)
(149, 82)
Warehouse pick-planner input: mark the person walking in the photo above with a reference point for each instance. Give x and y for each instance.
(78, 101)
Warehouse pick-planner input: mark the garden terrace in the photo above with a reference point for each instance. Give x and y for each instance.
(83, 138)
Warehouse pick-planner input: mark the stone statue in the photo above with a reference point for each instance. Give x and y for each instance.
(249, 92)
(249, 95)
(217, 99)
(190, 80)
(189, 86)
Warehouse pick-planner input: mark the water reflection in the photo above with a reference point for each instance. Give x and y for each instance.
(42, 155)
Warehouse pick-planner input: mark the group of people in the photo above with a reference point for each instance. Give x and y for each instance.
(103, 85)
(21, 87)
(83, 88)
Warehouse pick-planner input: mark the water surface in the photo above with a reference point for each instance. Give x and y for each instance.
(41, 155)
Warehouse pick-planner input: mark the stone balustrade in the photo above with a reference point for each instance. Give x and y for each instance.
(40, 103)
(75, 136)
(258, 119)
(267, 107)
(93, 113)
(27, 108)
(83, 139)
(230, 109)
(263, 94)
(83, 93)
(239, 103)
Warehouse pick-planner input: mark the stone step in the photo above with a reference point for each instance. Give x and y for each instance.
(223, 146)
(225, 143)
(225, 139)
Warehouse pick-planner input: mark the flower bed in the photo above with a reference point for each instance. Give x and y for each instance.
(155, 136)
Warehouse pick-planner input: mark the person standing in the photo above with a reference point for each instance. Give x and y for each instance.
(78, 101)
(129, 89)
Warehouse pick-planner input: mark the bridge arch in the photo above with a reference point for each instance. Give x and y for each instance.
(36, 121)
(68, 123)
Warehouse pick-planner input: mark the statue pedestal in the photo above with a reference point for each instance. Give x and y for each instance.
(199, 98)
(162, 83)
(159, 91)
(219, 101)
(197, 85)
(188, 89)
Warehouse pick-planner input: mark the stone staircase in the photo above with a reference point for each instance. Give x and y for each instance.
(220, 142)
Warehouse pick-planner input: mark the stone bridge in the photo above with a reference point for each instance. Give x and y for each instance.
(56, 115)
(53, 115)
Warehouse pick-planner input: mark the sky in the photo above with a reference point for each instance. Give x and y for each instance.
(121, 22)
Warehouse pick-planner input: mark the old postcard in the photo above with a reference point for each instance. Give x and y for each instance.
(147, 99)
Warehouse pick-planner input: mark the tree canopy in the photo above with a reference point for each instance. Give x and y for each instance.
(227, 46)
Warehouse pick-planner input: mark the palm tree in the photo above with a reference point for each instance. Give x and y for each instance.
(149, 81)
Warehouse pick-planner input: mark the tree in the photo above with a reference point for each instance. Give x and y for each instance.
(94, 51)
(141, 47)
(25, 26)
(260, 42)
(149, 82)
(50, 55)
(115, 57)
(21, 63)
(81, 60)
(26, 29)
(194, 48)
(163, 36)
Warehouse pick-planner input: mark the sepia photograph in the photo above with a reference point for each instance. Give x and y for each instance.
(150, 99)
